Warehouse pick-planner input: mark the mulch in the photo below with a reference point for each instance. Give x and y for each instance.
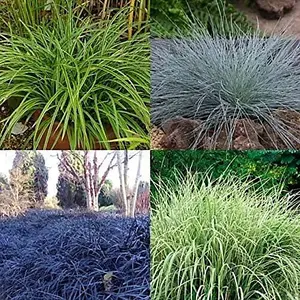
(15, 142)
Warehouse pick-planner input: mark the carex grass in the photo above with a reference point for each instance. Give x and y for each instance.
(218, 79)
(85, 75)
(223, 240)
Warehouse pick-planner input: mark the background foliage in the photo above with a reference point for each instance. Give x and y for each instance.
(275, 167)
(169, 16)
(17, 14)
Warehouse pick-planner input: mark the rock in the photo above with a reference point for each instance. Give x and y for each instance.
(240, 134)
(245, 143)
(247, 127)
(290, 121)
(19, 129)
(180, 133)
(246, 135)
(216, 142)
(274, 9)
(270, 139)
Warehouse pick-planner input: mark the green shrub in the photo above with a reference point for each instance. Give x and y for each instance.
(105, 197)
(223, 240)
(84, 75)
(51, 203)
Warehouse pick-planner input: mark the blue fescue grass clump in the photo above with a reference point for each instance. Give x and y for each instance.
(223, 240)
(67, 255)
(217, 79)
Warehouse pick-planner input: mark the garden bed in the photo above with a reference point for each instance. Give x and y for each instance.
(72, 255)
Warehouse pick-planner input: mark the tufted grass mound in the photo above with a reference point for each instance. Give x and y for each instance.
(223, 240)
(217, 80)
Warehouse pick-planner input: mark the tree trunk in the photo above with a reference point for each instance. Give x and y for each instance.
(122, 184)
(96, 204)
(136, 186)
(125, 175)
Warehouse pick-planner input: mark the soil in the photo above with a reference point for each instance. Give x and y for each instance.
(157, 135)
(289, 24)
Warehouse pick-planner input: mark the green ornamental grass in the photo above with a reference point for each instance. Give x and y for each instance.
(223, 240)
(86, 75)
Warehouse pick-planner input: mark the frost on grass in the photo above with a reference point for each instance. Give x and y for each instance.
(219, 80)
(63, 255)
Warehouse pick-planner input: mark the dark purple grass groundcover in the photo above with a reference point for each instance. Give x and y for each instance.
(65, 255)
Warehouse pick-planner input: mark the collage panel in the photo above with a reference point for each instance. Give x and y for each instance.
(211, 212)
(225, 225)
(223, 77)
(74, 75)
(74, 225)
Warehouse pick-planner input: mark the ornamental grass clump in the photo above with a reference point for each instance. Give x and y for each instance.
(217, 80)
(223, 240)
(72, 255)
(85, 75)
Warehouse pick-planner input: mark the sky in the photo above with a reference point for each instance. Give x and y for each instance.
(7, 156)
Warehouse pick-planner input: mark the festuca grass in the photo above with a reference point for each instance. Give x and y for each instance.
(217, 79)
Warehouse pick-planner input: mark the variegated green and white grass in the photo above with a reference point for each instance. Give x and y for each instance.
(218, 79)
(84, 74)
(223, 240)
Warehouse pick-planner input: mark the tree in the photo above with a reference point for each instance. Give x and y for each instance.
(40, 173)
(91, 180)
(32, 165)
(143, 198)
(16, 195)
(105, 198)
(70, 193)
(3, 181)
(128, 196)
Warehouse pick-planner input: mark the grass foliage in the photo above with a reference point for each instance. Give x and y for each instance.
(17, 13)
(64, 255)
(85, 75)
(169, 17)
(223, 240)
(217, 79)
